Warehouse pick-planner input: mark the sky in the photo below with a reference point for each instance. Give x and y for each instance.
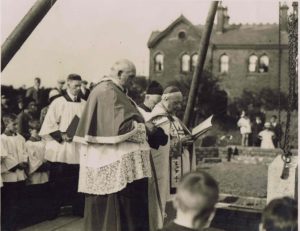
(87, 37)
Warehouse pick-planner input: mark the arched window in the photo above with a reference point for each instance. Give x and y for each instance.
(224, 63)
(264, 63)
(185, 63)
(159, 62)
(252, 63)
(194, 61)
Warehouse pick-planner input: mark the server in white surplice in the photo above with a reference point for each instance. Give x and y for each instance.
(60, 149)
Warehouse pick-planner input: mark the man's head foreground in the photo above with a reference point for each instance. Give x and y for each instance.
(280, 215)
(197, 194)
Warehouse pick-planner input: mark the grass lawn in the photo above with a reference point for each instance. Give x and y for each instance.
(239, 179)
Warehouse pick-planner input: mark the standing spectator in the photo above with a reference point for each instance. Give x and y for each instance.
(276, 128)
(53, 94)
(245, 127)
(58, 90)
(84, 91)
(280, 215)
(35, 92)
(266, 137)
(20, 106)
(257, 127)
(25, 117)
(4, 105)
(61, 151)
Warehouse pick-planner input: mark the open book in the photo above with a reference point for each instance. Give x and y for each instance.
(201, 128)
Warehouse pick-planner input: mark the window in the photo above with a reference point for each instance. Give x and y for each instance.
(194, 61)
(252, 63)
(181, 35)
(224, 63)
(264, 64)
(185, 63)
(159, 62)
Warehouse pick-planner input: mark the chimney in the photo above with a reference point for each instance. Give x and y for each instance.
(283, 17)
(220, 19)
(226, 17)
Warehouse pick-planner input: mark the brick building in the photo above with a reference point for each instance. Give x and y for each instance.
(241, 56)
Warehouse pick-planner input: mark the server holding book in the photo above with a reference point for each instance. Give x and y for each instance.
(58, 130)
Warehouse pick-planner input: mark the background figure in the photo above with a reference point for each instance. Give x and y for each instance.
(245, 128)
(276, 128)
(5, 109)
(257, 127)
(35, 93)
(267, 136)
(280, 215)
(25, 117)
(84, 90)
(58, 90)
(152, 97)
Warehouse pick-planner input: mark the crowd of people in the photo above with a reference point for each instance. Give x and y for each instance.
(256, 131)
(117, 163)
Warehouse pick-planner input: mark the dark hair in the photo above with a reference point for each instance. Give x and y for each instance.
(6, 118)
(34, 124)
(154, 88)
(74, 77)
(37, 79)
(274, 116)
(281, 215)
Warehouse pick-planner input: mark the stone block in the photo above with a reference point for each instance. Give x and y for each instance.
(278, 187)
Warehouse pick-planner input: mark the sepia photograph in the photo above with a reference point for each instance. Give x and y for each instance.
(149, 115)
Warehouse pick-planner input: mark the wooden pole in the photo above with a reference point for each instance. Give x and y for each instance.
(202, 55)
(23, 30)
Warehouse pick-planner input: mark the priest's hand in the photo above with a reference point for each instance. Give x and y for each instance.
(66, 138)
(150, 128)
(187, 140)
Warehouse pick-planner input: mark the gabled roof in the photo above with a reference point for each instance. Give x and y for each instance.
(157, 35)
(240, 34)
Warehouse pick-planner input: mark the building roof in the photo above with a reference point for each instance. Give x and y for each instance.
(241, 34)
(156, 36)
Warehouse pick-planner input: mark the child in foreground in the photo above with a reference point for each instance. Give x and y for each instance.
(280, 215)
(195, 200)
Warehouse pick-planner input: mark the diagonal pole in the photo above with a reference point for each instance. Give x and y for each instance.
(202, 55)
(23, 30)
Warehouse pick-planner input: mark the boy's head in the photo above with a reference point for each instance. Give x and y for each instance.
(10, 122)
(280, 215)
(273, 119)
(34, 127)
(197, 194)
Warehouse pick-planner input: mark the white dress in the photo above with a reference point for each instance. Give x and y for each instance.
(266, 136)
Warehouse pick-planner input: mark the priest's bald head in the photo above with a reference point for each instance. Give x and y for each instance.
(172, 99)
(123, 71)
